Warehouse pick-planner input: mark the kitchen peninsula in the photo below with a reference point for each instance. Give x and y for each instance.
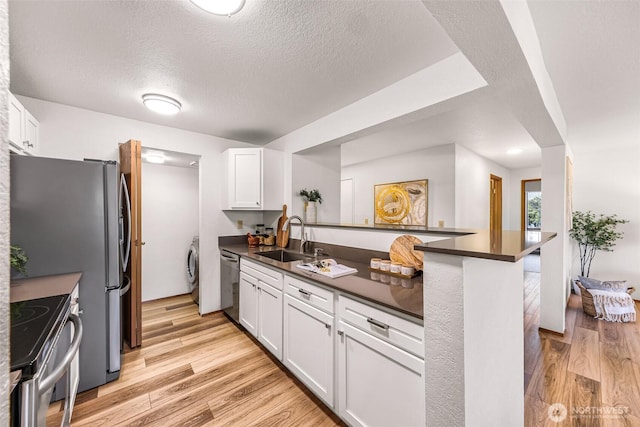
(474, 331)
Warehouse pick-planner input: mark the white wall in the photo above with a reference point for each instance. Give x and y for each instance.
(321, 170)
(513, 198)
(607, 181)
(472, 189)
(170, 219)
(435, 164)
(74, 133)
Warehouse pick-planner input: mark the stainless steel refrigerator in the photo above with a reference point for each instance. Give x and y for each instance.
(65, 215)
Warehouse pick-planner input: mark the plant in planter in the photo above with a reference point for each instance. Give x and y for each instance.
(18, 259)
(310, 198)
(594, 234)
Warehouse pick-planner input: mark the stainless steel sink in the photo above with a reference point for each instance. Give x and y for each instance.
(284, 256)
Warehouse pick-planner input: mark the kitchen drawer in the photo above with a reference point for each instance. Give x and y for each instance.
(310, 293)
(260, 272)
(389, 327)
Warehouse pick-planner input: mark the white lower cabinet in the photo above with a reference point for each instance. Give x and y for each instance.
(379, 384)
(270, 318)
(261, 304)
(364, 361)
(248, 289)
(309, 347)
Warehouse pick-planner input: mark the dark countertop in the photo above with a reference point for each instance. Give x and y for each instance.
(43, 286)
(507, 246)
(438, 231)
(403, 295)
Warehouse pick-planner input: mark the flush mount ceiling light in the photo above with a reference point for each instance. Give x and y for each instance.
(155, 157)
(220, 7)
(514, 151)
(161, 104)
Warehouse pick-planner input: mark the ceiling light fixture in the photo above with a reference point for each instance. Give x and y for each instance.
(514, 151)
(220, 7)
(161, 104)
(155, 157)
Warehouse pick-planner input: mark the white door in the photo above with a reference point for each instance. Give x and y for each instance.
(270, 318)
(308, 347)
(247, 178)
(378, 384)
(346, 201)
(249, 303)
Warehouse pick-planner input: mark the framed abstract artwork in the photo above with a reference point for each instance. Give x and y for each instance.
(401, 203)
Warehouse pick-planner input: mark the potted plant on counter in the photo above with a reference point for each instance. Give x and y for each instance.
(310, 198)
(18, 259)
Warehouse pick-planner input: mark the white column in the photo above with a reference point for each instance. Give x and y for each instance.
(555, 255)
(474, 341)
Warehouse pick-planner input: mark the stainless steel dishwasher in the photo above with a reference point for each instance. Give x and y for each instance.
(229, 284)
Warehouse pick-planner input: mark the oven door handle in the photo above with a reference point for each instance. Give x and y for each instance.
(48, 382)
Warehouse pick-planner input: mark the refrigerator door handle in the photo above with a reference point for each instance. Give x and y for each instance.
(126, 285)
(125, 250)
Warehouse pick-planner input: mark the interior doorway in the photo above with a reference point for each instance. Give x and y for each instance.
(346, 201)
(531, 205)
(495, 202)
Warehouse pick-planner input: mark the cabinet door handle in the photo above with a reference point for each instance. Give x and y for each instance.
(380, 325)
(328, 326)
(257, 203)
(305, 293)
(341, 333)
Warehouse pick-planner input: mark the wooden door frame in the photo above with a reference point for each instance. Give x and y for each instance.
(523, 203)
(493, 218)
(130, 165)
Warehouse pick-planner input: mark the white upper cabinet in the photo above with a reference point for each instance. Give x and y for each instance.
(23, 129)
(255, 179)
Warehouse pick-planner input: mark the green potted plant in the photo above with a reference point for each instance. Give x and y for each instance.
(310, 198)
(18, 259)
(594, 233)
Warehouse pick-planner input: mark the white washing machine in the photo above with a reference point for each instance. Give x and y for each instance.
(193, 269)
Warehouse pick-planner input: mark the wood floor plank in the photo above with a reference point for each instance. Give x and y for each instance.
(220, 372)
(620, 379)
(584, 358)
(92, 407)
(549, 378)
(587, 322)
(584, 393)
(116, 414)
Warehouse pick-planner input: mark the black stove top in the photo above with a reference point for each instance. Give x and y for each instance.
(34, 326)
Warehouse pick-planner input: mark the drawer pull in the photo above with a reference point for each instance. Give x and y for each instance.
(305, 293)
(380, 325)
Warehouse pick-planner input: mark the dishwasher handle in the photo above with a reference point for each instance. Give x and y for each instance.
(228, 258)
(57, 373)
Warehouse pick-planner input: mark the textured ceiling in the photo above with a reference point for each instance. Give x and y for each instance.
(279, 65)
(484, 126)
(253, 77)
(592, 52)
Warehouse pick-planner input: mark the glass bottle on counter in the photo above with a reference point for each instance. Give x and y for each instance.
(270, 238)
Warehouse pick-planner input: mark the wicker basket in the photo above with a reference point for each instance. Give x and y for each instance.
(587, 299)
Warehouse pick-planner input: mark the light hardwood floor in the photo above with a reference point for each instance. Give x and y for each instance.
(196, 370)
(593, 370)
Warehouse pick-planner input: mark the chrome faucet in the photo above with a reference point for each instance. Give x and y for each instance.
(303, 240)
